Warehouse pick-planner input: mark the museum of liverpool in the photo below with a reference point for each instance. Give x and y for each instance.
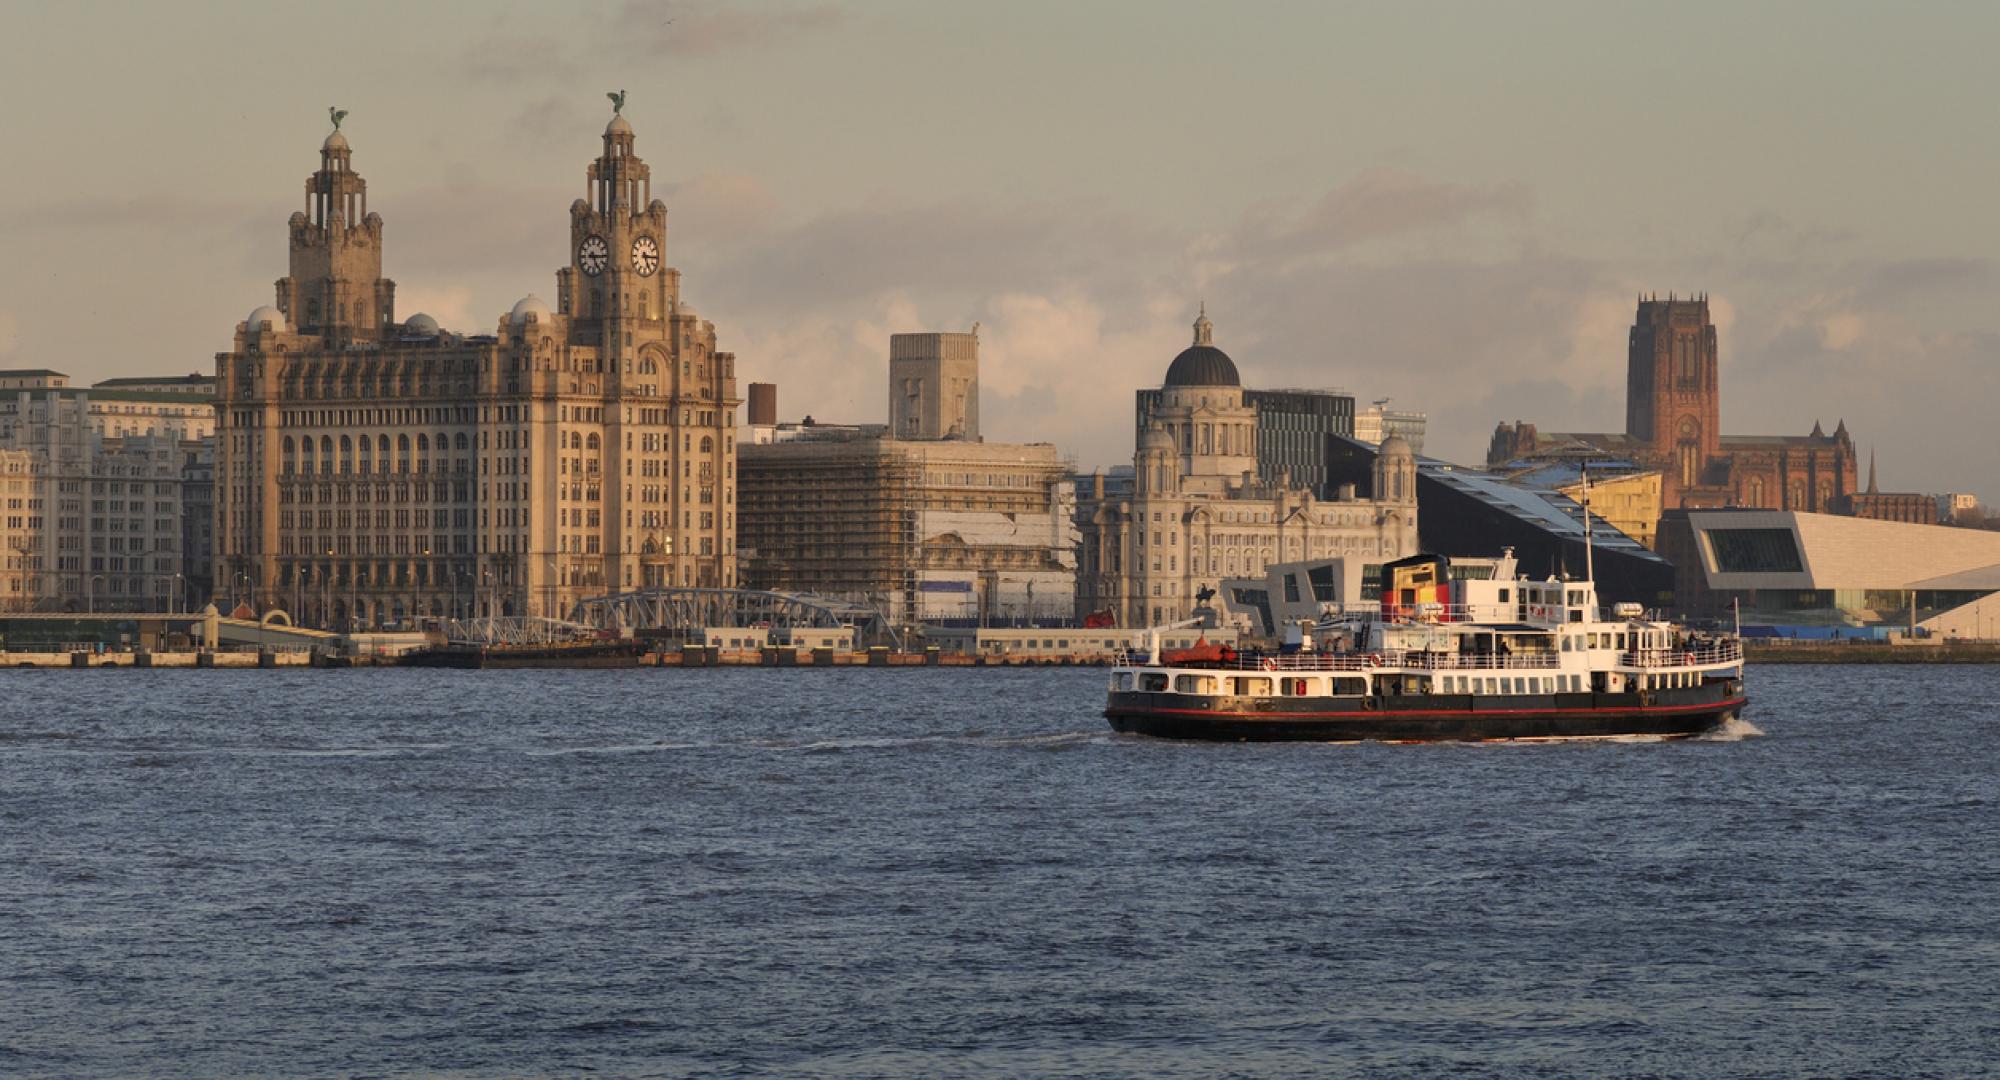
(1792, 574)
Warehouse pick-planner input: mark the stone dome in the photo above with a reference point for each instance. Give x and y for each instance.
(334, 141)
(420, 325)
(530, 307)
(1395, 446)
(264, 314)
(1156, 437)
(1202, 364)
(618, 125)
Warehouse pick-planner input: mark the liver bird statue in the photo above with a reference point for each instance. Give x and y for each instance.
(338, 114)
(617, 101)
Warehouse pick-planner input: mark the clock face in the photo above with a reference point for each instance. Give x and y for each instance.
(592, 255)
(645, 256)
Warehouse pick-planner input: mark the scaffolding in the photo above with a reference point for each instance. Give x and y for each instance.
(842, 519)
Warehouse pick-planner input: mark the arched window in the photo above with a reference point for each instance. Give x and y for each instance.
(382, 452)
(289, 456)
(325, 454)
(367, 460)
(402, 453)
(707, 445)
(459, 441)
(308, 455)
(591, 443)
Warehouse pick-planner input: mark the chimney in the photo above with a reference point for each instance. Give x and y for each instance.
(763, 404)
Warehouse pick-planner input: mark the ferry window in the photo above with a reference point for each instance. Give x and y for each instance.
(1301, 687)
(1565, 645)
(1250, 686)
(1194, 684)
(1154, 683)
(1503, 596)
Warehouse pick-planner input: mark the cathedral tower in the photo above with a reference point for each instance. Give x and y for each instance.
(1672, 400)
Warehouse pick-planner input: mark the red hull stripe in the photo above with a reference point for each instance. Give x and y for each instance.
(1387, 714)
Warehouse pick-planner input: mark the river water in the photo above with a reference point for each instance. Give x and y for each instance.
(860, 872)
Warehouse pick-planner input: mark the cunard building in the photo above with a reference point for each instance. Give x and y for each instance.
(371, 467)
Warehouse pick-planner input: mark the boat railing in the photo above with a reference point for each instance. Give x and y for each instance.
(1386, 658)
(1721, 652)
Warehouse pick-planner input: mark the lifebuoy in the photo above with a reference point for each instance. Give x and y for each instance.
(1375, 659)
(1270, 664)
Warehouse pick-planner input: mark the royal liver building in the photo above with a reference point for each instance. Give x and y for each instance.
(371, 468)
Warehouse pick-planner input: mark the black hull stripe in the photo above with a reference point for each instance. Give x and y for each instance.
(1394, 713)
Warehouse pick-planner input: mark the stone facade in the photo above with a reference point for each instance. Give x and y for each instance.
(1199, 512)
(1673, 423)
(92, 520)
(918, 518)
(920, 530)
(370, 469)
(934, 386)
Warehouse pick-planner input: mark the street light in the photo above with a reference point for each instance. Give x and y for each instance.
(90, 592)
(180, 593)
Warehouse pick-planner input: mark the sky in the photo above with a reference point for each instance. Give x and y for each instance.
(1450, 205)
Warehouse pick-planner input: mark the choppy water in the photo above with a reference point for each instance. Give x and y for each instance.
(862, 873)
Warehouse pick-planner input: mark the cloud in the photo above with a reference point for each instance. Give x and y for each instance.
(687, 28)
(1376, 205)
(646, 31)
(450, 305)
(10, 333)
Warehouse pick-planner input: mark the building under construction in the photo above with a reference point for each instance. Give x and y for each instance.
(921, 530)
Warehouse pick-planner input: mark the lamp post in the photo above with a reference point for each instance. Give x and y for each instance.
(90, 592)
(244, 580)
(180, 592)
(326, 592)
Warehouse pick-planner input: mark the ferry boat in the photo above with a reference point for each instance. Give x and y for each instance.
(1457, 650)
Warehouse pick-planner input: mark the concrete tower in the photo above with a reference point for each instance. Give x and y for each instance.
(934, 386)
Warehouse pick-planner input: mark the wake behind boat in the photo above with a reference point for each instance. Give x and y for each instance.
(1457, 650)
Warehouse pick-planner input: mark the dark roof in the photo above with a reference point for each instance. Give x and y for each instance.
(156, 380)
(9, 372)
(1203, 365)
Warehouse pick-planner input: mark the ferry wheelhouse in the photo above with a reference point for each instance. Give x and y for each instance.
(1457, 650)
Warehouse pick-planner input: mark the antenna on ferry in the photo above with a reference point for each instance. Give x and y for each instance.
(1589, 565)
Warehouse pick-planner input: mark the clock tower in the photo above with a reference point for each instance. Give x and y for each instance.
(638, 375)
